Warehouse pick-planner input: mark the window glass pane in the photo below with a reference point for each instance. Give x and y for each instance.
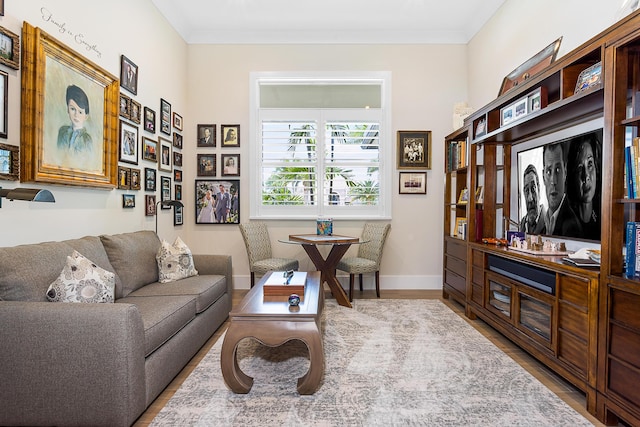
(273, 95)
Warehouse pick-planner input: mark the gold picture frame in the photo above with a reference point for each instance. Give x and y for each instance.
(51, 74)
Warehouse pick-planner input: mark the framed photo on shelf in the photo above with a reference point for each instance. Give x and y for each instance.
(481, 127)
(149, 205)
(461, 228)
(463, 199)
(10, 47)
(149, 149)
(149, 120)
(165, 191)
(480, 194)
(9, 162)
(128, 201)
(537, 99)
(588, 78)
(413, 183)
(124, 178)
(230, 135)
(128, 143)
(164, 159)
(206, 165)
(178, 215)
(217, 201)
(206, 135)
(230, 164)
(414, 149)
(165, 117)
(52, 72)
(128, 75)
(135, 112)
(177, 121)
(149, 179)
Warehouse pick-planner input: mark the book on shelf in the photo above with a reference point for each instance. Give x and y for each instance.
(632, 257)
(632, 168)
(461, 228)
(457, 155)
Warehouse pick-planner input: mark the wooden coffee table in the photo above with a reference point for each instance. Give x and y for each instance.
(273, 324)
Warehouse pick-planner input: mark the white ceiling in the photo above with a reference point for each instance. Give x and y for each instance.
(327, 21)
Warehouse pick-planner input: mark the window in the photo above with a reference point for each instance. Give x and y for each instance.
(321, 148)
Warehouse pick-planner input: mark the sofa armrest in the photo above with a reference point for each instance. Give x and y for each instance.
(215, 264)
(71, 364)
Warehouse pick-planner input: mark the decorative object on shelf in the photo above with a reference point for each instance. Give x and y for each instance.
(206, 165)
(294, 300)
(164, 159)
(165, 117)
(128, 201)
(128, 152)
(10, 48)
(177, 121)
(217, 201)
(413, 183)
(128, 75)
(9, 162)
(230, 135)
(461, 111)
(324, 227)
(52, 72)
(464, 196)
(135, 111)
(514, 111)
(230, 164)
(124, 178)
(461, 228)
(149, 149)
(589, 78)
(206, 135)
(414, 149)
(149, 120)
(531, 67)
(149, 179)
(135, 179)
(165, 191)
(537, 99)
(481, 127)
(150, 205)
(166, 204)
(27, 194)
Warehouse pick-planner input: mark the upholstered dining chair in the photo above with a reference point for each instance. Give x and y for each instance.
(369, 256)
(258, 244)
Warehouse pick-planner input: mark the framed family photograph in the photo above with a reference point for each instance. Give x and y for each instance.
(9, 48)
(177, 140)
(128, 75)
(125, 106)
(9, 162)
(414, 149)
(177, 121)
(124, 178)
(177, 159)
(53, 150)
(164, 159)
(165, 117)
(413, 183)
(177, 191)
(149, 179)
(217, 201)
(149, 205)
(135, 179)
(206, 165)
(178, 215)
(165, 191)
(230, 135)
(128, 143)
(4, 104)
(206, 135)
(230, 164)
(149, 120)
(128, 201)
(149, 149)
(177, 175)
(135, 112)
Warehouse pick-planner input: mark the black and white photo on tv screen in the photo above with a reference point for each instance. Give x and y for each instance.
(560, 187)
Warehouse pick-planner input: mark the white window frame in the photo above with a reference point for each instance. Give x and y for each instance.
(387, 144)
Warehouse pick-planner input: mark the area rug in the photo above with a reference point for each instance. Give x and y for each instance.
(388, 362)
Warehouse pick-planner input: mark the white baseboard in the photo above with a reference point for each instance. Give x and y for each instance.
(386, 282)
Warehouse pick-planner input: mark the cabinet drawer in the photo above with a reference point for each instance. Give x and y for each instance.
(625, 345)
(624, 308)
(457, 266)
(573, 350)
(574, 290)
(456, 249)
(624, 381)
(573, 320)
(455, 281)
(478, 259)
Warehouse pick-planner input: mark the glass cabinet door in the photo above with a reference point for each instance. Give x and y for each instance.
(535, 316)
(500, 297)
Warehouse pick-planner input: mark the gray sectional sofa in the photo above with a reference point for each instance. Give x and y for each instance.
(100, 364)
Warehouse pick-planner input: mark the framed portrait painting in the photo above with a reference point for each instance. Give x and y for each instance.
(230, 135)
(128, 75)
(230, 164)
(206, 135)
(74, 142)
(414, 149)
(217, 201)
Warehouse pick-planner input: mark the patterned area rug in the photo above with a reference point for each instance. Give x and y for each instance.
(387, 362)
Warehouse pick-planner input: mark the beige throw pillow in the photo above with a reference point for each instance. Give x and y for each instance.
(81, 280)
(175, 261)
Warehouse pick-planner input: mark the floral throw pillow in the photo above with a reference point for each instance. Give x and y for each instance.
(175, 261)
(81, 280)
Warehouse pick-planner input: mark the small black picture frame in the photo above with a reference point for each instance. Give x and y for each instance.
(149, 179)
(128, 75)
(165, 117)
(128, 201)
(149, 120)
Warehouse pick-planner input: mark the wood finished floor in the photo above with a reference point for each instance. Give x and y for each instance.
(565, 391)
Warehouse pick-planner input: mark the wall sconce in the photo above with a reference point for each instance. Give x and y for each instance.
(28, 194)
(174, 203)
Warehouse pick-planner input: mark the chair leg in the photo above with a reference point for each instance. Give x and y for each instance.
(351, 280)
(378, 284)
(360, 277)
(253, 279)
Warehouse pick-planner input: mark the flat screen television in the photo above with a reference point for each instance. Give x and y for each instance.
(560, 187)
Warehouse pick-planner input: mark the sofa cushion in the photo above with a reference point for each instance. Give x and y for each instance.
(206, 289)
(133, 256)
(81, 280)
(175, 261)
(26, 271)
(162, 317)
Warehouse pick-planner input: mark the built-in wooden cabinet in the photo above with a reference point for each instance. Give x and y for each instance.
(587, 327)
